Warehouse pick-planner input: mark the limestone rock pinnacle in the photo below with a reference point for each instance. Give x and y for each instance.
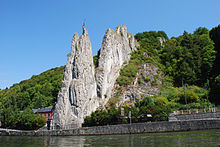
(77, 97)
(81, 91)
(115, 50)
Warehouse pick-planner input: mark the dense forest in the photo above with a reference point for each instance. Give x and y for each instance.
(191, 74)
(37, 92)
(190, 59)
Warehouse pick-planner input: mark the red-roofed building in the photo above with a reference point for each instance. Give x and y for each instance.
(47, 113)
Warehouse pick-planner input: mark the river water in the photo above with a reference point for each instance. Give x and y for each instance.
(191, 138)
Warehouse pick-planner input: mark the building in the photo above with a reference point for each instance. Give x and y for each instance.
(47, 113)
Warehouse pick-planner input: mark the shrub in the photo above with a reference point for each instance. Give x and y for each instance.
(162, 101)
(68, 55)
(190, 95)
(146, 79)
(146, 101)
(129, 70)
(95, 60)
(123, 80)
(103, 117)
(139, 81)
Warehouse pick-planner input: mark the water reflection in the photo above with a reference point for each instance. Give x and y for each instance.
(66, 141)
(193, 138)
(47, 141)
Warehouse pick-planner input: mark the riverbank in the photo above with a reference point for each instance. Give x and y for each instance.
(148, 127)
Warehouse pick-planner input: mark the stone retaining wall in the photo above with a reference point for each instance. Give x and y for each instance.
(150, 127)
(196, 116)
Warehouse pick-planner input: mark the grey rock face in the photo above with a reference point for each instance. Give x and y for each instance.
(147, 83)
(115, 50)
(162, 40)
(81, 93)
(77, 97)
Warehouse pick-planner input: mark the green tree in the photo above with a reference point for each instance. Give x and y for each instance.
(215, 91)
(215, 36)
(36, 92)
(189, 57)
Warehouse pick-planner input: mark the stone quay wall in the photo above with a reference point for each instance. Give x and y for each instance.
(195, 116)
(148, 127)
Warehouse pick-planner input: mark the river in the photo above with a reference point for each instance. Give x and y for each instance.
(191, 138)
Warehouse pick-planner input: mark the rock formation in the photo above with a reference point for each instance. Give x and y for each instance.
(77, 97)
(115, 51)
(147, 83)
(81, 93)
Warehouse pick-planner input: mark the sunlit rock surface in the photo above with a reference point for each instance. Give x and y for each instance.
(83, 89)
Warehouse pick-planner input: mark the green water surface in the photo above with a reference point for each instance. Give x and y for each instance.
(191, 138)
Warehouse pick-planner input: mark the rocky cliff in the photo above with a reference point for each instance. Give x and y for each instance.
(81, 91)
(147, 83)
(115, 51)
(77, 97)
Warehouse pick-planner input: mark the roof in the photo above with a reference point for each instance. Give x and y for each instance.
(42, 110)
(34, 110)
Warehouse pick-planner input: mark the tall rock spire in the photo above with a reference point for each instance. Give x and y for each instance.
(115, 50)
(81, 93)
(77, 97)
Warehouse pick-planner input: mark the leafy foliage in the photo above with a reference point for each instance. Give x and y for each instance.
(215, 90)
(37, 92)
(191, 59)
(158, 106)
(188, 58)
(23, 120)
(215, 36)
(113, 115)
(215, 77)
(128, 73)
(149, 46)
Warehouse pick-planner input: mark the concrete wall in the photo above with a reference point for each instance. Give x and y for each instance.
(123, 129)
(196, 116)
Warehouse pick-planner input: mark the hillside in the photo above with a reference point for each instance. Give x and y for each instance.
(161, 76)
(37, 92)
(183, 72)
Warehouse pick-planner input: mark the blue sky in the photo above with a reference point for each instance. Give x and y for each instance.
(35, 35)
